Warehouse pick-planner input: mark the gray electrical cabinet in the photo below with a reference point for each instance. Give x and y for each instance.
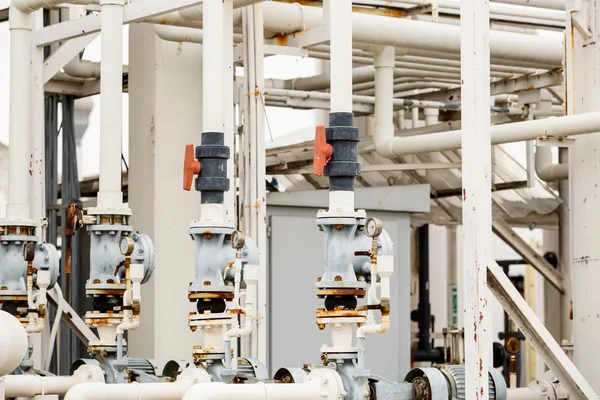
(295, 261)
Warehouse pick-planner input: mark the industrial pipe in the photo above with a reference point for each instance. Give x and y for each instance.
(140, 391)
(322, 384)
(183, 34)
(35, 385)
(19, 125)
(545, 169)
(29, 6)
(13, 343)
(411, 34)
(554, 127)
(384, 96)
(110, 196)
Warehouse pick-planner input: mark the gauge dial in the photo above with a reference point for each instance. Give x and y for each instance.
(238, 239)
(373, 227)
(126, 245)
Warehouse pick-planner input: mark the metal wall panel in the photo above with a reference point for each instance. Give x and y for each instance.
(296, 249)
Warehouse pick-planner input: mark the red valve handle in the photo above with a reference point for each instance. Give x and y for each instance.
(322, 152)
(191, 167)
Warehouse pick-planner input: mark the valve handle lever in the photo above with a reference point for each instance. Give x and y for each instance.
(191, 167)
(322, 152)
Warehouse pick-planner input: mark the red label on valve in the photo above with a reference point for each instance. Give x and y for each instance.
(322, 151)
(191, 167)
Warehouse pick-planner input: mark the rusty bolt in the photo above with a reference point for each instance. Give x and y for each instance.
(319, 279)
(337, 278)
(193, 328)
(110, 281)
(321, 326)
(207, 235)
(96, 281)
(206, 283)
(339, 227)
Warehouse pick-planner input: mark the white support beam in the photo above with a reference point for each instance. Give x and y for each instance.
(515, 242)
(477, 194)
(537, 334)
(73, 319)
(133, 12)
(64, 54)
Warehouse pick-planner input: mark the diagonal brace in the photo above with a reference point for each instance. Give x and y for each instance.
(537, 334)
(65, 54)
(505, 232)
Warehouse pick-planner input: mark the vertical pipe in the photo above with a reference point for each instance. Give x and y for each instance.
(340, 28)
(583, 95)
(228, 109)
(431, 116)
(384, 60)
(212, 65)
(38, 201)
(19, 125)
(564, 251)
(261, 185)
(110, 195)
(452, 302)
(477, 213)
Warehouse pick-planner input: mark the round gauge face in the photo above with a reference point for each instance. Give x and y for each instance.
(237, 240)
(126, 245)
(373, 227)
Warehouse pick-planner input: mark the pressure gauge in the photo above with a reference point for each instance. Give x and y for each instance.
(373, 227)
(238, 239)
(126, 245)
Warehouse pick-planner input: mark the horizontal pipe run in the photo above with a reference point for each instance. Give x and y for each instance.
(556, 127)
(258, 391)
(128, 391)
(398, 103)
(406, 33)
(184, 34)
(30, 6)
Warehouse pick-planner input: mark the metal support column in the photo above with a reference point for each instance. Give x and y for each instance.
(477, 200)
(583, 95)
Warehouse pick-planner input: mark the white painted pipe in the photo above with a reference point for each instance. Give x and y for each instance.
(30, 6)
(110, 196)
(556, 127)
(19, 125)
(340, 32)
(35, 385)
(322, 384)
(431, 116)
(184, 34)
(228, 109)
(384, 96)
(525, 393)
(140, 391)
(13, 343)
(545, 169)
(212, 66)
(406, 33)
(550, 4)
(83, 68)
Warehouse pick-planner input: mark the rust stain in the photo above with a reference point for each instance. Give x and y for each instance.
(464, 194)
(281, 40)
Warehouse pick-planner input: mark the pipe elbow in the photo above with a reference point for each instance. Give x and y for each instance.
(383, 146)
(85, 391)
